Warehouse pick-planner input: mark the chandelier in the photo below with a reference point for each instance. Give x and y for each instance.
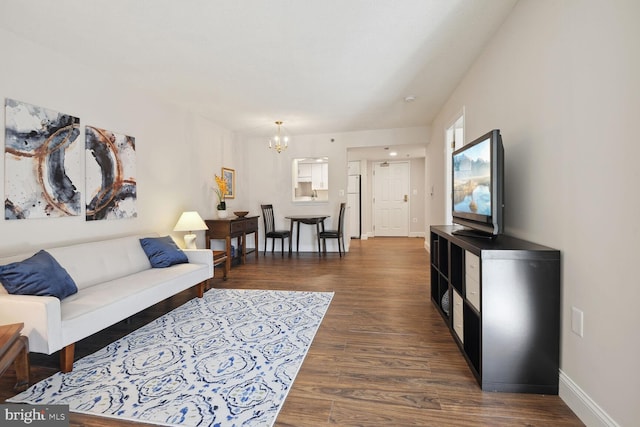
(279, 142)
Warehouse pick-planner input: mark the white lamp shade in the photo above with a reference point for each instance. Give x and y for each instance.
(190, 221)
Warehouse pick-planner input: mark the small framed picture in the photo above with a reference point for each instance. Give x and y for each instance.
(229, 175)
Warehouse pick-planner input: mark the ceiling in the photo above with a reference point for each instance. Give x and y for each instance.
(318, 65)
(387, 153)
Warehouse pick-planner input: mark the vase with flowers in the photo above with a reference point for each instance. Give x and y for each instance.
(221, 191)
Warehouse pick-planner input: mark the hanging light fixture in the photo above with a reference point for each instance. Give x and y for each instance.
(279, 142)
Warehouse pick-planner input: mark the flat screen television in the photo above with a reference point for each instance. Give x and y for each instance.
(478, 186)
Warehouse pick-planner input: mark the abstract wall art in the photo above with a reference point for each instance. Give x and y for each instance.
(42, 162)
(110, 164)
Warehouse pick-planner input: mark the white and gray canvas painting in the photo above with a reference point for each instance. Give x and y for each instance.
(110, 175)
(42, 162)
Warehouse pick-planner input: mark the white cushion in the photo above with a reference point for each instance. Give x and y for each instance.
(102, 305)
(97, 262)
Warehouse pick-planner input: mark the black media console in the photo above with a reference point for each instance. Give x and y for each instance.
(503, 307)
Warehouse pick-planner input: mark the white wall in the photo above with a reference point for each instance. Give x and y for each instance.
(268, 177)
(560, 79)
(168, 141)
(177, 152)
(417, 198)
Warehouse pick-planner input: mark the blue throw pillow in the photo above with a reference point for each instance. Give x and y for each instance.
(163, 251)
(39, 275)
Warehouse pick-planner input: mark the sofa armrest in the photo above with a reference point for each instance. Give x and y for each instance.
(41, 316)
(200, 256)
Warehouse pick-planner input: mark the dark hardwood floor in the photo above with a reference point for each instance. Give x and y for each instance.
(382, 356)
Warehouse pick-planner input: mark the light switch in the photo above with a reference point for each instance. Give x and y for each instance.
(577, 321)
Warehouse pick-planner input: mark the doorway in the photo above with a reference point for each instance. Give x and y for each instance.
(391, 199)
(454, 139)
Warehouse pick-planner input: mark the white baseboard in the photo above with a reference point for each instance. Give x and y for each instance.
(582, 405)
(370, 235)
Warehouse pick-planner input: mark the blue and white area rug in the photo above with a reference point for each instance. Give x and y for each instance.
(228, 359)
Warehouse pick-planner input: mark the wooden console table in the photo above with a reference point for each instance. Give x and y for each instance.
(14, 348)
(229, 228)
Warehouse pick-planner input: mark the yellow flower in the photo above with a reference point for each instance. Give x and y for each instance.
(221, 191)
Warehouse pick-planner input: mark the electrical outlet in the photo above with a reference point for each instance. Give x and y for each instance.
(341, 192)
(577, 321)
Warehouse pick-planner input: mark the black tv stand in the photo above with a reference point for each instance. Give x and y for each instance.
(500, 299)
(470, 232)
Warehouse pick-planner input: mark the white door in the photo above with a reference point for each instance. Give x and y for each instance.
(391, 199)
(353, 184)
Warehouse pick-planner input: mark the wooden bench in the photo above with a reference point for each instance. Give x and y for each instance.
(220, 259)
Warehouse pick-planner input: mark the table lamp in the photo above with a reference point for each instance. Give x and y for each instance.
(190, 221)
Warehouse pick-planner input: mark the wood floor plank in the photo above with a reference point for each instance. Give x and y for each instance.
(381, 357)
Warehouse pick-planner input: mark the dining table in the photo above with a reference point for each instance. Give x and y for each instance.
(310, 219)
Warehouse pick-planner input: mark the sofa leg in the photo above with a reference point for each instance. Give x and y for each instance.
(66, 358)
(200, 288)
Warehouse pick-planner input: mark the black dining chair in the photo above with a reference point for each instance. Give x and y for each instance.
(270, 231)
(335, 234)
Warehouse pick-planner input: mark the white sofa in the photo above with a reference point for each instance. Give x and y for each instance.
(115, 280)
